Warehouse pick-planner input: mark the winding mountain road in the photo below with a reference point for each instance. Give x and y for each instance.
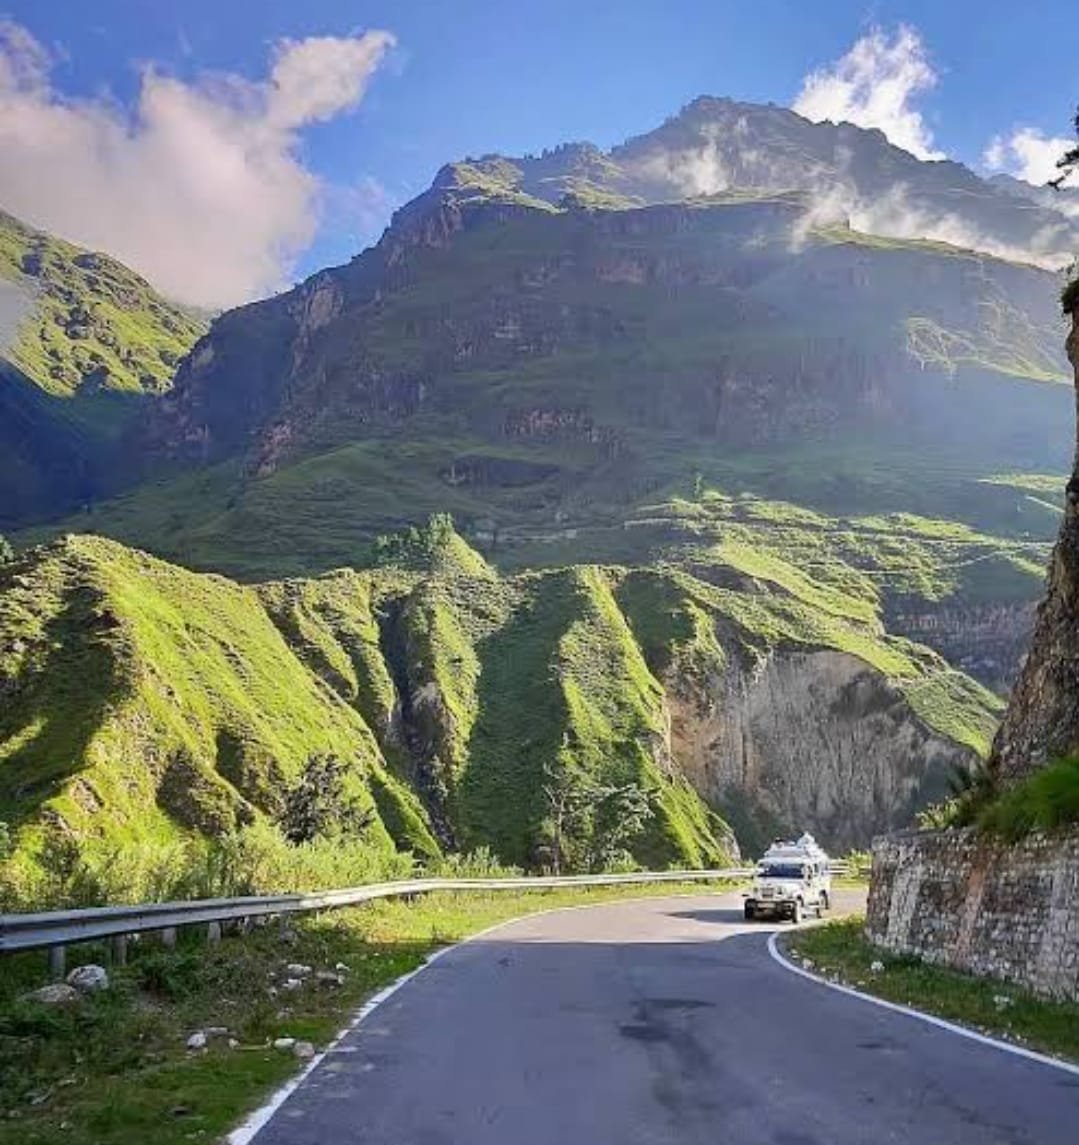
(633, 1024)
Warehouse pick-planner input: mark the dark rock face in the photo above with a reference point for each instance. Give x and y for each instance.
(987, 641)
(711, 322)
(807, 741)
(1042, 721)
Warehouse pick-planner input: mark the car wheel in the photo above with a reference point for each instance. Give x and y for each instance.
(750, 911)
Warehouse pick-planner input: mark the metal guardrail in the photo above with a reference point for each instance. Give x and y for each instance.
(63, 927)
(55, 930)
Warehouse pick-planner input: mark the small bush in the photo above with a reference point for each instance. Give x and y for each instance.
(972, 790)
(1045, 801)
(479, 864)
(169, 974)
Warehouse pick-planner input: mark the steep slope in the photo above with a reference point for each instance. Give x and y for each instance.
(736, 324)
(1041, 725)
(506, 701)
(143, 703)
(574, 718)
(82, 338)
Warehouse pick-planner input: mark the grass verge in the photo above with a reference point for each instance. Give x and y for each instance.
(114, 1069)
(839, 950)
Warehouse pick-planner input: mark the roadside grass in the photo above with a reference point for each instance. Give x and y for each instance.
(114, 1069)
(839, 950)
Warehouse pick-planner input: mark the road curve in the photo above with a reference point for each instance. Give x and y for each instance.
(632, 1024)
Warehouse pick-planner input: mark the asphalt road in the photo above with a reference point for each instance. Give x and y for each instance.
(633, 1024)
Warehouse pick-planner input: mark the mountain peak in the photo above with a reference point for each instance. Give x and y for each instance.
(717, 145)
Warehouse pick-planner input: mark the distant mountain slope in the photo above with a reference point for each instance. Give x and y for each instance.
(81, 339)
(549, 347)
(582, 713)
(532, 369)
(716, 146)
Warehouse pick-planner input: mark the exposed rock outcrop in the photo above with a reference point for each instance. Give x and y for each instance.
(1042, 721)
(808, 739)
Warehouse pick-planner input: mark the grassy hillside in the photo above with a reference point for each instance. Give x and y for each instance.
(92, 324)
(903, 537)
(145, 706)
(83, 340)
(148, 709)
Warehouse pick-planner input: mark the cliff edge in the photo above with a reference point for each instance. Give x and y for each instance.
(1042, 720)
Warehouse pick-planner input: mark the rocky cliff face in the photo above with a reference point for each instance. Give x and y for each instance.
(1042, 720)
(988, 641)
(808, 739)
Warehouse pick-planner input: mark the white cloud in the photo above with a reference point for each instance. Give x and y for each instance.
(199, 186)
(875, 85)
(1028, 154)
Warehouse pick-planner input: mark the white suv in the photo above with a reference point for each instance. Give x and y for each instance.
(791, 879)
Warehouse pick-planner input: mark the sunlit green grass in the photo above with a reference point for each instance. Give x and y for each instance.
(839, 950)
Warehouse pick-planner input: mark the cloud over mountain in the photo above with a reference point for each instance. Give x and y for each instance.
(1027, 154)
(200, 185)
(875, 85)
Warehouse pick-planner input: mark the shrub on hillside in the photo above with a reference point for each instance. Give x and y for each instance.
(972, 789)
(1044, 801)
(320, 805)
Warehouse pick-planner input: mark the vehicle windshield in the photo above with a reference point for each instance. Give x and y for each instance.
(781, 871)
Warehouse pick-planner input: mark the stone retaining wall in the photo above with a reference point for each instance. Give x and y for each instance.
(960, 899)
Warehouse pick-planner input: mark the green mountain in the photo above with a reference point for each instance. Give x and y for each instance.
(82, 340)
(567, 717)
(549, 365)
(749, 498)
(553, 342)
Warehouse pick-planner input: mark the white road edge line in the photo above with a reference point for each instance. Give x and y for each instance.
(929, 1019)
(245, 1133)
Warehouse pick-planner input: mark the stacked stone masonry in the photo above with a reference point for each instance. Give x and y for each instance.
(970, 902)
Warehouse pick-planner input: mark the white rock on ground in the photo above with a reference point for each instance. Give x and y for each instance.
(297, 970)
(877, 967)
(292, 984)
(304, 1051)
(329, 978)
(284, 1043)
(55, 994)
(89, 979)
(197, 1041)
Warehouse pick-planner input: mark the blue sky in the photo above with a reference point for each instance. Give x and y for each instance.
(462, 77)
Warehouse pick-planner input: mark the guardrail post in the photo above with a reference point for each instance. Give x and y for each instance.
(119, 949)
(213, 933)
(57, 962)
(168, 938)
